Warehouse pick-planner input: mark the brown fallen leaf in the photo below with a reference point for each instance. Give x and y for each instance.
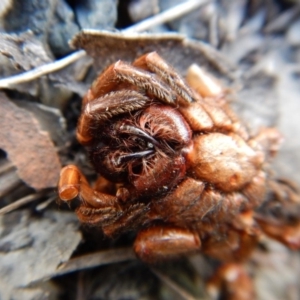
(28, 147)
(107, 47)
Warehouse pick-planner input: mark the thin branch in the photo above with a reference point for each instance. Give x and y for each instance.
(283, 20)
(95, 260)
(12, 183)
(6, 166)
(25, 200)
(41, 70)
(179, 291)
(168, 15)
(45, 204)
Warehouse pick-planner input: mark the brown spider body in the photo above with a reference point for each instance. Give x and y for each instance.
(176, 165)
(136, 150)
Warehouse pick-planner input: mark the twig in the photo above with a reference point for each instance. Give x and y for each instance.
(95, 260)
(281, 22)
(41, 70)
(213, 31)
(168, 15)
(45, 204)
(179, 291)
(12, 183)
(27, 199)
(6, 166)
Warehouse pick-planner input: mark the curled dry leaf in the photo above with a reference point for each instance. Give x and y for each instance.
(27, 146)
(107, 47)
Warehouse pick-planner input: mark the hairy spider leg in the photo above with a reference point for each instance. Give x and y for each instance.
(135, 78)
(154, 63)
(97, 208)
(104, 108)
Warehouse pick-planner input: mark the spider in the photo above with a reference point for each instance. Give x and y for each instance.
(177, 166)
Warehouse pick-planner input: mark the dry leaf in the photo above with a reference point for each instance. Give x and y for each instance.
(31, 248)
(107, 47)
(24, 52)
(27, 146)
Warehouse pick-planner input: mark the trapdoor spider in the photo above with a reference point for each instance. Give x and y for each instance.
(177, 166)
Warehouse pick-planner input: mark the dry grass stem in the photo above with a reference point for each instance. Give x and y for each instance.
(167, 15)
(25, 200)
(178, 291)
(41, 70)
(96, 259)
